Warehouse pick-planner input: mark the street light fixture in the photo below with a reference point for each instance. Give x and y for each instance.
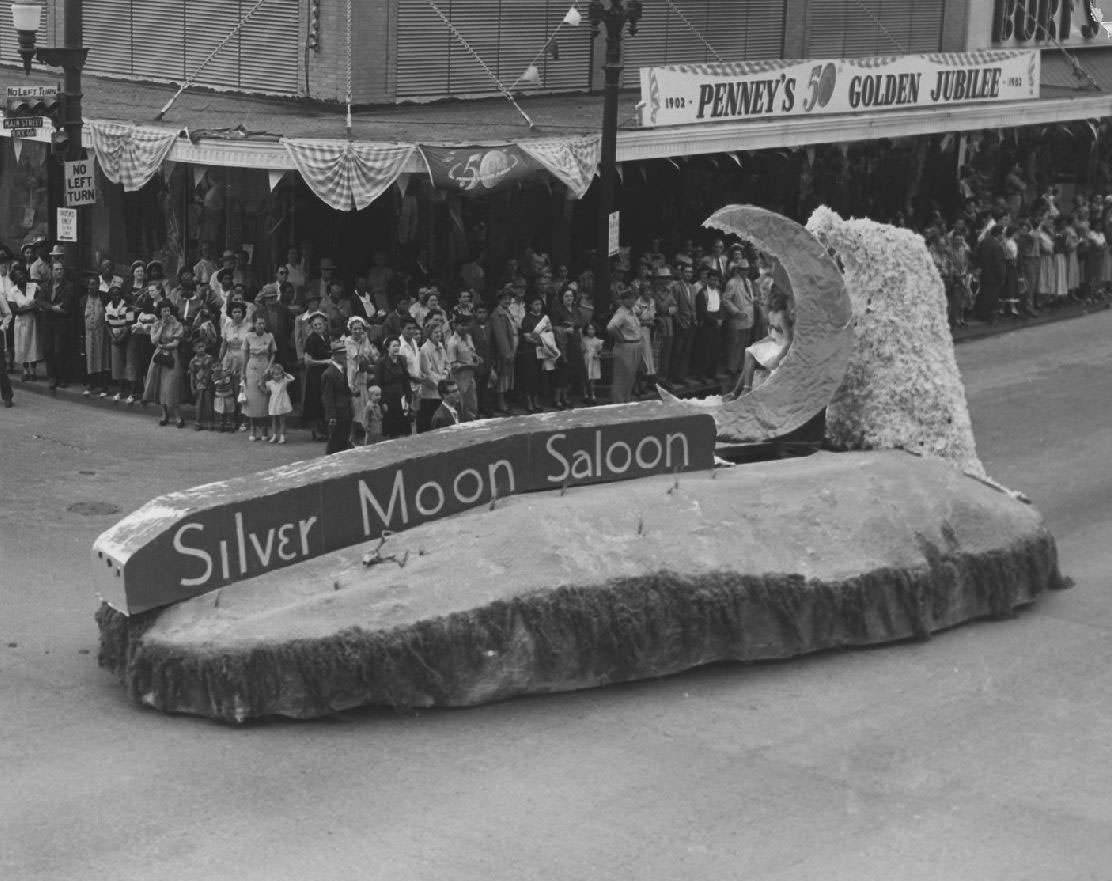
(27, 19)
(615, 16)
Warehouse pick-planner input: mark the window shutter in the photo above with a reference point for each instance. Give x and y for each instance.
(158, 44)
(843, 28)
(109, 36)
(207, 22)
(270, 48)
(423, 51)
(737, 30)
(506, 34)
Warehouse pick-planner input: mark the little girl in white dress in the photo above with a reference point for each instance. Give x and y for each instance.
(278, 404)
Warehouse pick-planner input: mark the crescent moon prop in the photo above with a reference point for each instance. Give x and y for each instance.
(815, 365)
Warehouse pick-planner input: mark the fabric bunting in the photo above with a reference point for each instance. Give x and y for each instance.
(130, 154)
(345, 174)
(572, 160)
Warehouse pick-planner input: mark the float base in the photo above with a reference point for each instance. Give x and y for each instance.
(605, 584)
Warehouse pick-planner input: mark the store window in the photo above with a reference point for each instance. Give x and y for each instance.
(852, 28)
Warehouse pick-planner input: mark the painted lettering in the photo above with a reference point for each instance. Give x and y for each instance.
(283, 541)
(460, 497)
(669, 461)
(193, 552)
(386, 518)
(642, 462)
(438, 492)
(305, 526)
(264, 556)
(555, 454)
(706, 96)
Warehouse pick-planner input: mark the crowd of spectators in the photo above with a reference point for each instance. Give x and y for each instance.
(394, 349)
(388, 351)
(1017, 254)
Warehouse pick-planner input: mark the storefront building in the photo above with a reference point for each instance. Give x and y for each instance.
(256, 150)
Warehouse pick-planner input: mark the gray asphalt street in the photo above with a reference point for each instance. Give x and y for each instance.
(982, 754)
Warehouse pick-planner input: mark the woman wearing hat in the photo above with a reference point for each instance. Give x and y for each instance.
(258, 354)
(136, 282)
(164, 376)
(24, 303)
(316, 358)
(361, 357)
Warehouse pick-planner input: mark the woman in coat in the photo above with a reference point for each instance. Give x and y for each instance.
(527, 368)
(164, 376)
(392, 376)
(317, 357)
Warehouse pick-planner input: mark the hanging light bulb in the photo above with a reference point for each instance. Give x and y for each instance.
(573, 17)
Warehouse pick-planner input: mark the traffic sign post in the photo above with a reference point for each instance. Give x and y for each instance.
(67, 225)
(80, 183)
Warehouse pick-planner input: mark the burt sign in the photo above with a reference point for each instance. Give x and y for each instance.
(702, 93)
(188, 543)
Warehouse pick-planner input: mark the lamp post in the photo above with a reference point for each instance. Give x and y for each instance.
(614, 16)
(27, 18)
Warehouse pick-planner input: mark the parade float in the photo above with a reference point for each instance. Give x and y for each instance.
(573, 550)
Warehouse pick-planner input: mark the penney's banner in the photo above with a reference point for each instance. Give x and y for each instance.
(688, 94)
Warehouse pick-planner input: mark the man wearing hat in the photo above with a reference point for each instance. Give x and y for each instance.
(335, 398)
(664, 336)
(737, 303)
(327, 277)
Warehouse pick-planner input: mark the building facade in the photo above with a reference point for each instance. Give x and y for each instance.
(264, 73)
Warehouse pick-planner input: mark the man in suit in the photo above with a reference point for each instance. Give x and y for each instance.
(335, 397)
(709, 316)
(59, 321)
(684, 322)
(992, 262)
(447, 413)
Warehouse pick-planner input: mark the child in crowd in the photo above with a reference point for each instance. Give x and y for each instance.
(372, 417)
(224, 398)
(277, 388)
(201, 384)
(592, 360)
